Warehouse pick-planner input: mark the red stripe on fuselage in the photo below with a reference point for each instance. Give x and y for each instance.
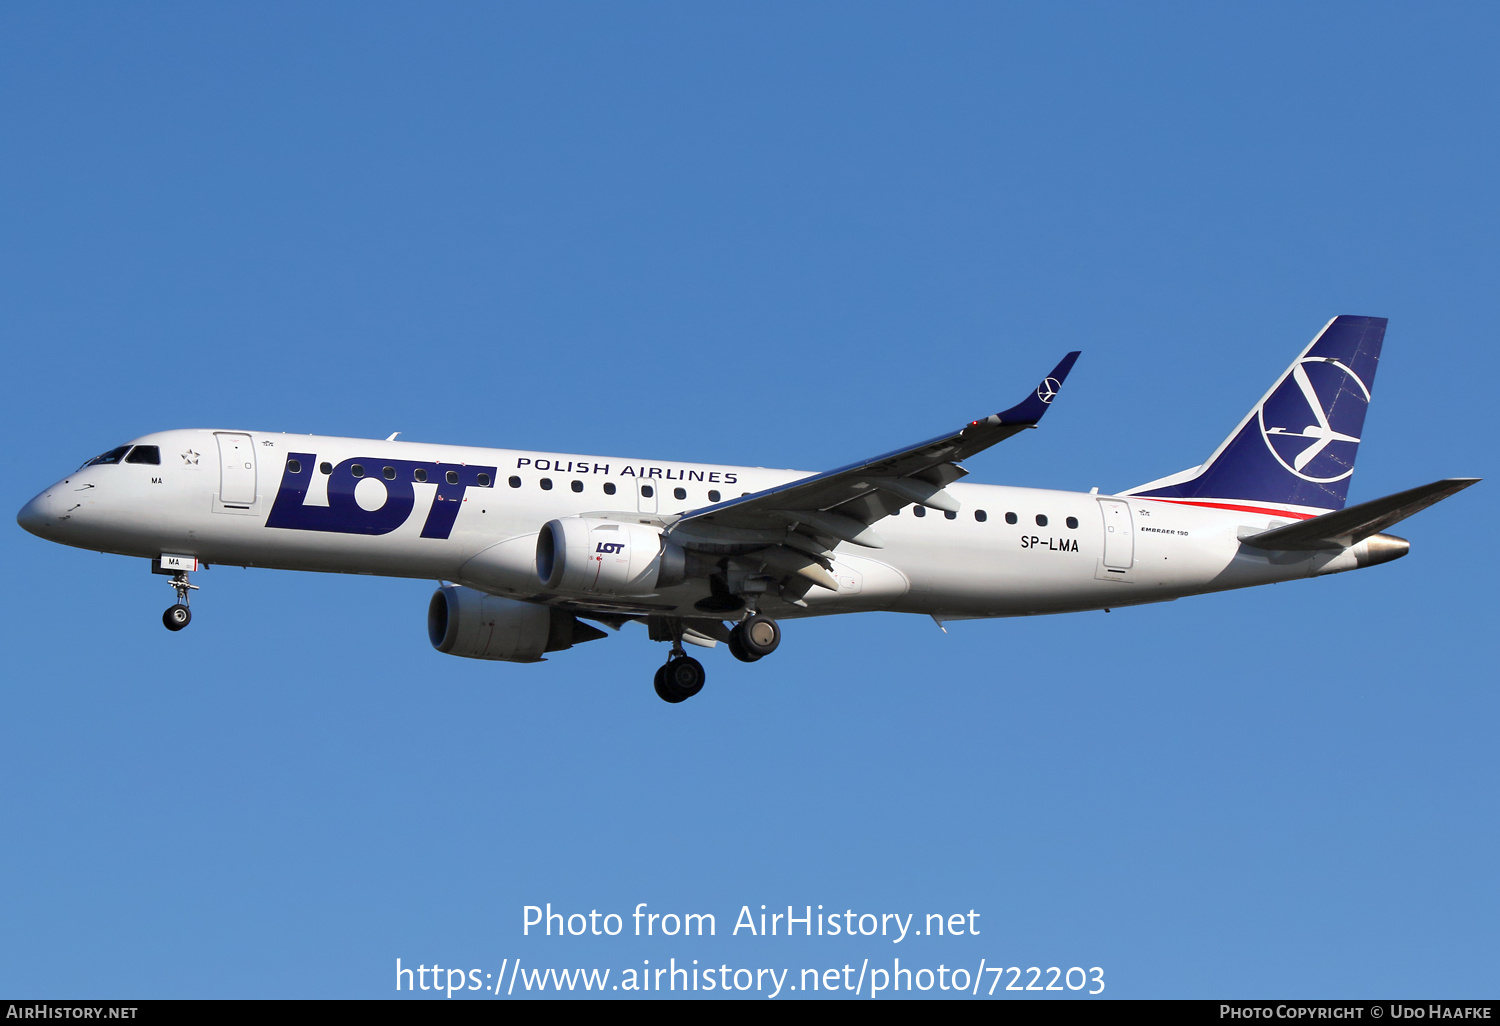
(1242, 509)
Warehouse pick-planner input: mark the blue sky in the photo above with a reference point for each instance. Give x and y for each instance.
(778, 235)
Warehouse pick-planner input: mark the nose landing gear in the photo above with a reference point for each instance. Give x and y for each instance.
(179, 616)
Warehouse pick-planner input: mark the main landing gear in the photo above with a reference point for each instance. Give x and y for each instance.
(754, 638)
(682, 677)
(179, 616)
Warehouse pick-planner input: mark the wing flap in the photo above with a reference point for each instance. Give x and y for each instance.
(916, 490)
(835, 525)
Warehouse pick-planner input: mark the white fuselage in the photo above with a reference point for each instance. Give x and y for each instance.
(1007, 552)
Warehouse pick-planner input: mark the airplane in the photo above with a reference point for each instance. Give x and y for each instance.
(526, 545)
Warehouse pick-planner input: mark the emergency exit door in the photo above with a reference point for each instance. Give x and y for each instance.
(646, 496)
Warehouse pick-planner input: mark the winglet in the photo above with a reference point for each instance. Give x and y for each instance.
(1030, 410)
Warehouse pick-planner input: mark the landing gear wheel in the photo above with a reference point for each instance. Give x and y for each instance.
(663, 691)
(685, 676)
(737, 648)
(680, 679)
(177, 617)
(757, 636)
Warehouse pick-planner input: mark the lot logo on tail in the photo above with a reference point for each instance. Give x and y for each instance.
(1297, 445)
(1309, 421)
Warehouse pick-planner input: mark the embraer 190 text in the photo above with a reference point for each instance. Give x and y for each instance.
(535, 543)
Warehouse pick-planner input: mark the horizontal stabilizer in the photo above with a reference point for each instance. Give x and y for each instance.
(1347, 527)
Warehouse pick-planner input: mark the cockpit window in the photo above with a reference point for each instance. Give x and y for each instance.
(145, 454)
(113, 456)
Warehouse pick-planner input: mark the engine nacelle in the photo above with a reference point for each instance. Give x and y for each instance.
(587, 556)
(469, 623)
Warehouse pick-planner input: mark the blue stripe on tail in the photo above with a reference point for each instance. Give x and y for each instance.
(1297, 446)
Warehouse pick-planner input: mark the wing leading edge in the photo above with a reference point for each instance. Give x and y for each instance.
(790, 531)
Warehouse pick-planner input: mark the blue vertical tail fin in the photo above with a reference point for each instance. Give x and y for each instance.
(1296, 447)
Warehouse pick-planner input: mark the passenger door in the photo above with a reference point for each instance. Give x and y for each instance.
(1119, 539)
(236, 470)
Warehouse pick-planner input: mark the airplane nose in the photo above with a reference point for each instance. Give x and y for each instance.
(36, 516)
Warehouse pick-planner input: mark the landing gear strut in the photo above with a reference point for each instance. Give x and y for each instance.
(754, 638)
(179, 616)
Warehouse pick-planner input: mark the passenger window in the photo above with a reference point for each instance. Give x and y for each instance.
(1041, 520)
(515, 482)
(680, 493)
(293, 467)
(919, 511)
(1073, 523)
(419, 475)
(357, 470)
(1010, 518)
(452, 477)
(325, 468)
(113, 456)
(484, 480)
(609, 488)
(578, 486)
(546, 484)
(713, 495)
(647, 491)
(145, 454)
(389, 473)
(950, 514)
(981, 516)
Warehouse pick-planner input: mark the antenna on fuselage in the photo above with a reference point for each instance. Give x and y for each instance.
(392, 436)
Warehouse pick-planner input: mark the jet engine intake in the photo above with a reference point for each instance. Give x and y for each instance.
(465, 622)
(589, 556)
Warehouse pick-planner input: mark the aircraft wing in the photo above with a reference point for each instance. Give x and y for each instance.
(799, 523)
